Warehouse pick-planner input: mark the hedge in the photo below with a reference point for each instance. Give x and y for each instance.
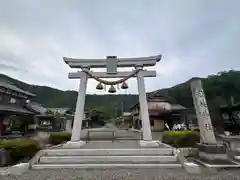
(181, 139)
(24, 149)
(20, 149)
(59, 137)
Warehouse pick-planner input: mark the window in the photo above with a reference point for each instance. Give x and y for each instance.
(152, 122)
(13, 101)
(8, 91)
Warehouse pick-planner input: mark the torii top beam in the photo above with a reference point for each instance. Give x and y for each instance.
(120, 62)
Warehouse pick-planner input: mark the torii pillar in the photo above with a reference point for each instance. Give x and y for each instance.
(111, 63)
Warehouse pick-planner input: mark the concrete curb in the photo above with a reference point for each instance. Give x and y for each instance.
(188, 151)
(17, 169)
(166, 145)
(215, 166)
(104, 166)
(36, 158)
(190, 167)
(135, 130)
(4, 171)
(40, 153)
(55, 146)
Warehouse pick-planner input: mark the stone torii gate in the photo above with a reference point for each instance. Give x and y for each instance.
(111, 63)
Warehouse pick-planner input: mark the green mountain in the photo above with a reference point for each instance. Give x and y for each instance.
(55, 98)
(218, 88)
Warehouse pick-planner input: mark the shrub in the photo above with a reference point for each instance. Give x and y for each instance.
(181, 138)
(59, 137)
(20, 149)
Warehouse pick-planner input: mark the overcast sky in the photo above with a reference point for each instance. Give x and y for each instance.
(196, 37)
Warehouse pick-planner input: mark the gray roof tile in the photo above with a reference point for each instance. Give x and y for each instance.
(14, 108)
(14, 88)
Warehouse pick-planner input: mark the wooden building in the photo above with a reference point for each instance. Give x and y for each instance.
(162, 110)
(63, 115)
(93, 119)
(12, 105)
(19, 114)
(231, 117)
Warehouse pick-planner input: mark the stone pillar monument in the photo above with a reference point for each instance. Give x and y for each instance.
(201, 108)
(208, 148)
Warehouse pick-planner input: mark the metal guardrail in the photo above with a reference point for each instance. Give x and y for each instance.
(113, 138)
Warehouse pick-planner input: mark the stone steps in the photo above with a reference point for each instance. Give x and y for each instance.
(110, 152)
(237, 154)
(237, 150)
(237, 158)
(98, 166)
(108, 158)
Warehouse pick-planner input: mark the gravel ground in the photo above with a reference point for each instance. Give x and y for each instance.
(123, 174)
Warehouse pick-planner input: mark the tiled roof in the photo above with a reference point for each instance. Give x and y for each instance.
(38, 108)
(177, 107)
(160, 96)
(157, 96)
(59, 110)
(14, 88)
(13, 108)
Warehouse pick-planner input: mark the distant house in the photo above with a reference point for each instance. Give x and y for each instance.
(61, 111)
(231, 117)
(18, 106)
(67, 114)
(125, 114)
(93, 118)
(162, 110)
(12, 104)
(125, 120)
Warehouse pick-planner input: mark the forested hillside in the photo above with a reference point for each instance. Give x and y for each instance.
(218, 88)
(55, 98)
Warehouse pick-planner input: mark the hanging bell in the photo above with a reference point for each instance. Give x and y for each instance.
(112, 89)
(99, 86)
(124, 85)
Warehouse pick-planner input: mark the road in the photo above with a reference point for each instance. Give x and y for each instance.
(122, 174)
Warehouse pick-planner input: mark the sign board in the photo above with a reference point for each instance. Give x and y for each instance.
(111, 63)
